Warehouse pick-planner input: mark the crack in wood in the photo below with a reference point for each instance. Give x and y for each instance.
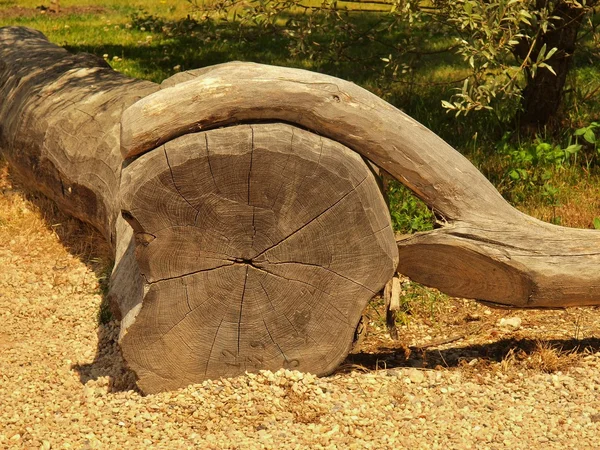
(273, 306)
(345, 319)
(187, 297)
(188, 274)
(241, 311)
(274, 342)
(249, 184)
(163, 335)
(287, 160)
(209, 164)
(175, 184)
(320, 267)
(473, 237)
(381, 229)
(213, 346)
(313, 219)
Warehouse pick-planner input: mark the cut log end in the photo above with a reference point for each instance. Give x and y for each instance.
(260, 246)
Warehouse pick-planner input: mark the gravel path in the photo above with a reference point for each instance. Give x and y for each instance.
(57, 390)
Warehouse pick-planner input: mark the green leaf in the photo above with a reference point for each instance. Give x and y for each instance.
(590, 136)
(580, 131)
(542, 64)
(541, 54)
(514, 174)
(551, 52)
(597, 223)
(448, 105)
(573, 148)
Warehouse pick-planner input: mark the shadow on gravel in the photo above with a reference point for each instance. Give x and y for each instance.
(86, 244)
(108, 362)
(396, 357)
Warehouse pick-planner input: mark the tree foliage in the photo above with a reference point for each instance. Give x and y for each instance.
(506, 45)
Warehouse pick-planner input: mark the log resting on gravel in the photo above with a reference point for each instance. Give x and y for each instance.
(249, 233)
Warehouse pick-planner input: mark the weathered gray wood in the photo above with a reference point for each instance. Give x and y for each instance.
(486, 249)
(241, 257)
(241, 92)
(60, 129)
(251, 263)
(60, 121)
(240, 248)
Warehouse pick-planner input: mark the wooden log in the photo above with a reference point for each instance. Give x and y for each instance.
(60, 123)
(486, 249)
(249, 263)
(248, 233)
(232, 246)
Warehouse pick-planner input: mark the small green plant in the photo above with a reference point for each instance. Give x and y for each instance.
(418, 300)
(105, 315)
(103, 271)
(588, 133)
(409, 214)
(532, 166)
(596, 223)
(589, 136)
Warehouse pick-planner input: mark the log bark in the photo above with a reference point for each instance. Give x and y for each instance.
(60, 123)
(248, 231)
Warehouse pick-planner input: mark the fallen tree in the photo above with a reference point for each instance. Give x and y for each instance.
(249, 233)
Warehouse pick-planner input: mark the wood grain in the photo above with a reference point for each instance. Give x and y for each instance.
(490, 250)
(270, 242)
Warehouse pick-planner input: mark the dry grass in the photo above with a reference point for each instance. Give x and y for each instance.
(578, 204)
(549, 359)
(24, 215)
(541, 357)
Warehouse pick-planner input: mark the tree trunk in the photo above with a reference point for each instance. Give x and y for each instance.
(248, 231)
(543, 93)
